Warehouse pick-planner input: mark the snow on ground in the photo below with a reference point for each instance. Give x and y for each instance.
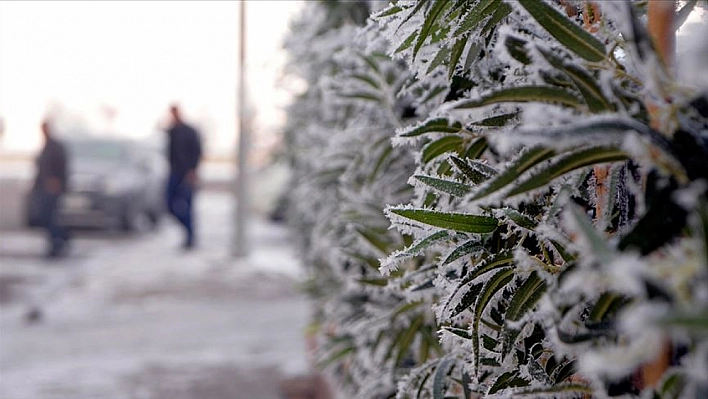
(133, 316)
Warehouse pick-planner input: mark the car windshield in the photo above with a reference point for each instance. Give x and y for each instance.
(99, 150)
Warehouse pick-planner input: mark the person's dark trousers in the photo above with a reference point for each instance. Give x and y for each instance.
(56, 234)
(179, 204)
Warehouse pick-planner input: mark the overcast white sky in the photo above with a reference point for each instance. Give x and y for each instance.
(87, 60)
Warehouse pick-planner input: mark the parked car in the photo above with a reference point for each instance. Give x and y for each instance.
(113, 183)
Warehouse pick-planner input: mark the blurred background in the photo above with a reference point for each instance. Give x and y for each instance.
(126, 313)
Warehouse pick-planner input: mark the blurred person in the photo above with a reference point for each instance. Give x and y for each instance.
(48, 188)
(184, 153)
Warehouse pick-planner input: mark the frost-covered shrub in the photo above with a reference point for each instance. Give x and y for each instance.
(345, 172)
(557, 227)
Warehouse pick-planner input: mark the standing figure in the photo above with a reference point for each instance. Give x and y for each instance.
(184, 152)
(49, 185)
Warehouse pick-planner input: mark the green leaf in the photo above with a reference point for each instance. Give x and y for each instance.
(391, 10)
(596, 243)
(517, 49)
(483, 9)
(367, 79)
(373, 239)
(437, 125)
(489, 343)
(439, 379)
(446, 186)
(406, 307)
(673, 386)
(584, 82)
(378, 282)
(476, 171)
(409, 40)
(440, 57)
(518, 218)
(468, 299)
(495, 261)
(337, 356)
(501, 12)
(567, 163)
(509, 379)
(477, 148)
(451, 221)
(564, 371)
(464, 334)
(604, 305)
(385, 154)
(526, 297)
(491, 287)
(441, 146)
(690, 322)
(523, 94)
(569, 34)
(420, 245)
(462, 250)
(457, 49)
(430, 21)
(407, 338)
(524, 162)
(418, 6)
(496, 121)
(362, 95)
(549, 391)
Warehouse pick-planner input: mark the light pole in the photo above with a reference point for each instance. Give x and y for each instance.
(239, 245)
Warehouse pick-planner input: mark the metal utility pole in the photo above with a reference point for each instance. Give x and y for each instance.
(239, 245)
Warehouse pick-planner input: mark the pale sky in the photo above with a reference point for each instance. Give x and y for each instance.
(80, 60)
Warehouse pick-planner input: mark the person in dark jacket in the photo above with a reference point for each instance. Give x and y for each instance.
(49, 186)
(184, 153)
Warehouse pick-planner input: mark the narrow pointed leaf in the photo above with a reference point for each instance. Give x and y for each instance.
(370, 81)
(501, 12)
(469, 297)
(378, 282)
(437, 125)
(568, 163)
(439, 379)
(464, 334)
(523, 94)
(462, 250)
(451, 221)
(553, 391)
(509, 379)
(441, 146)
(477, 148)
(603, 306)
(491, 287)
(518, 218)
(584, 82)
(517, 49)
(483, 9)
(431, 20)
(496, 121)
(418, 246)
(568, 33)
(446, 186)
(527, 160)
(362, 96)
(407, 337)
(526, 297)
(476, 171)
(455, 54)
